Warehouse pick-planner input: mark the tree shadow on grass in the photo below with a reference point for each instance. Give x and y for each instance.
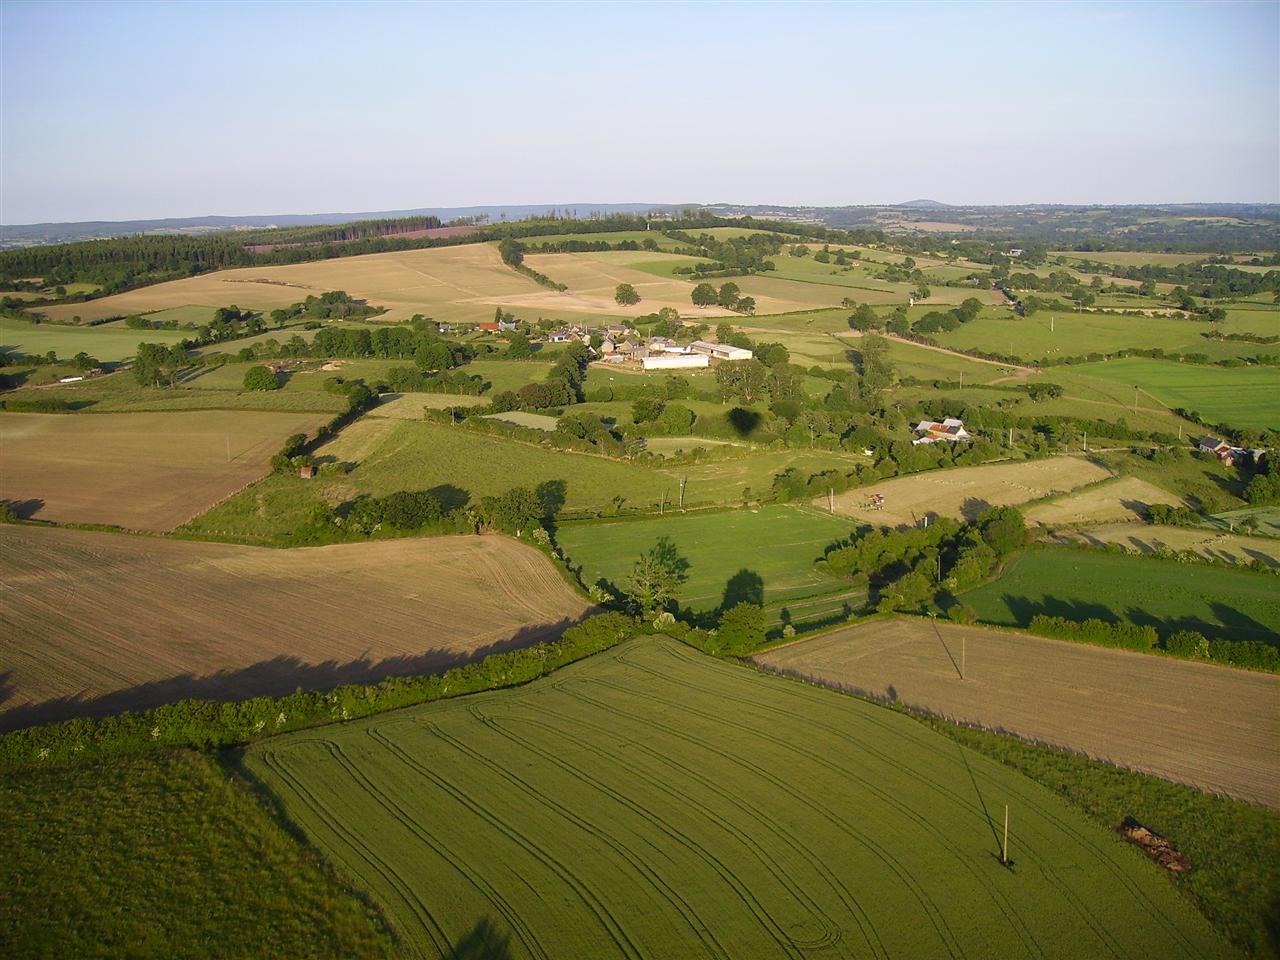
(484, 941)
(276, 677)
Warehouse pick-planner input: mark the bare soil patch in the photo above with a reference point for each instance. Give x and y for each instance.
(967, 491)
(140, 471)
(93, 623)
(1210, 726)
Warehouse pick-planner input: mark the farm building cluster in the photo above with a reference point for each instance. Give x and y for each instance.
(949, 430)
(1228, 454)
(659, 353)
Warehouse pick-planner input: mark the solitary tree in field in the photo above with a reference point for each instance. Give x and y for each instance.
(704, 295)
(728, 295)
(260, 378)
(625, 295)
(658, 575)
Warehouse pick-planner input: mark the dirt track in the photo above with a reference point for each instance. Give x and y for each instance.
(94, 623)
(1214, 727)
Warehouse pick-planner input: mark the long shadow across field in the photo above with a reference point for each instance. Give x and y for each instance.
(268, 678)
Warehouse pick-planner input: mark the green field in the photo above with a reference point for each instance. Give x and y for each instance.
(1078, 334)
(1247, 397)
(104, 342)
(163, 856)
(718, 547)
(654, 802)
(1170, 596)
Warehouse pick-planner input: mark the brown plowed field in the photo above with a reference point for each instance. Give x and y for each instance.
(94, 623)
(140, 471)
(1214, 727)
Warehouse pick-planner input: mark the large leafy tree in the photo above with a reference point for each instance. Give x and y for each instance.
(625, 295)
(704, 295)
(657, 577)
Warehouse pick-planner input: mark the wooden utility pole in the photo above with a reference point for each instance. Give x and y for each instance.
(683, 481)
(1004, 855)
(831, 499)
(1086, 441)
(662, 503)
(227, 437)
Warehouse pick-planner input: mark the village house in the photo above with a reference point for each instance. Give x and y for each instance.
(949, 430)
(1225, 452)
(508, 326)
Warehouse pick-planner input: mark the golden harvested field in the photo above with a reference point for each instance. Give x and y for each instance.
(1125, 498)
(140, 471)
(1209, 726)
(98, 622)
(1209, 543)
(593, 277)
(447, 283)
(409, 406)
(967, 491)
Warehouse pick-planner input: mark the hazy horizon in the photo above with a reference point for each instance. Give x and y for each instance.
(132, 111)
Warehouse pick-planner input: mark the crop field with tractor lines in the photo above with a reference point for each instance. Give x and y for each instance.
(654, 802)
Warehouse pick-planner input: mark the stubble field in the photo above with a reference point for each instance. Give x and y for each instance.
(967, 491)
(96, 623)
(654, 802)
(1206, 725)
(140, 471)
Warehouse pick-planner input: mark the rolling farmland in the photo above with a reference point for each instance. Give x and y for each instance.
(1122, 498)
(1102, 702)
(653, 802)
(95, 623)
(141, 471)
(1170, 596)
(1208, 542)
(105, 342)
(967, 491)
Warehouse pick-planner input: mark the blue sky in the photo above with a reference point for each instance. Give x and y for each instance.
(118, 111)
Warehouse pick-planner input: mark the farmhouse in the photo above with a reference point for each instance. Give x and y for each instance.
(1223, 450)
(949, 431)
(488, 325)
(720, 351)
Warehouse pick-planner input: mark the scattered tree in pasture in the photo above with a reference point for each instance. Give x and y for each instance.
(657, 577)
(157, 363)
(261, 378)
(741, 378)
(625, 295)
(704, 295)
(741, 629)
(728, 295)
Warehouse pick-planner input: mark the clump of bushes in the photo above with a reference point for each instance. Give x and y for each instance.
(1130, 636)
(261, 378)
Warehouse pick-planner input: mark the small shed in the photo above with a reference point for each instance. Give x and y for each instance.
(307, 472)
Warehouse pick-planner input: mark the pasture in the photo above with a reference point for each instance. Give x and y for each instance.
(727, 554)
(390, 454)
(162, 856)
(1213, 543)
(654, 802)
(1170, 596)
(964, 492)
(96, 623)
(106, 342)
(1093, 700)
(1244, 397)
(140, 471)
(1073, 334)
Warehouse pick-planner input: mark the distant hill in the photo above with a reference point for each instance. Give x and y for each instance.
(924, 205)
(32, 234)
